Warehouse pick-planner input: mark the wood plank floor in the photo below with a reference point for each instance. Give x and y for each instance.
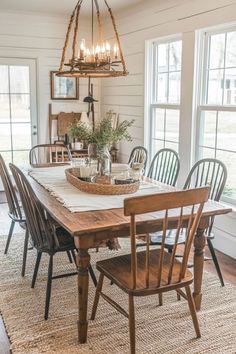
(228, 267)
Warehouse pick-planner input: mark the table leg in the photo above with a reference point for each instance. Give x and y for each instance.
(83, 261)
(199, 248)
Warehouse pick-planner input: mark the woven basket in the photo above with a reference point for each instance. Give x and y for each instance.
(99, 188)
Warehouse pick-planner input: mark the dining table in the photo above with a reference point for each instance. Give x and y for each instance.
(92, 222)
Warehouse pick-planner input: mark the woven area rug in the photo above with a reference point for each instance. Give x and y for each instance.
(166, 329)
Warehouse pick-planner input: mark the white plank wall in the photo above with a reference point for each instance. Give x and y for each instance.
(42, 38)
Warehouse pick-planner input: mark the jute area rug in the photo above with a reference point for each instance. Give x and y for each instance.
(166, 329)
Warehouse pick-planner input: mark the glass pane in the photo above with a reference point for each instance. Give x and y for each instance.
(19, 79)
(174, 88)
(21, 158)
(5, 109)
(172, 125)
(215, 87)
(158, 126)
(230, 87)
(226, 133)
(156, 146)
(175, 52)
(217, 49)
(205, 152)
(5, 137)
(173, 146)
(230, 49)
(229, 160)
(6, 156)
(4, 84)
(162, 88)
(208, 129)
(20, 106)
(21, 135)
(162, 58)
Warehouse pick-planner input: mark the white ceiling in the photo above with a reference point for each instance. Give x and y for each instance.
(62, 7)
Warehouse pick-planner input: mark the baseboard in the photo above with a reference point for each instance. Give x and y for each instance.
(224, 242)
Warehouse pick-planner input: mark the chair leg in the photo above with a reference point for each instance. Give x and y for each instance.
(38, 259)
(92, 275)
(25, 252)
(49, 287)
(9, 236)
(215, 260)
(160, 296)
(193, 312)
(131, 324)
(97, 296)
(74, 257)
(69, 256)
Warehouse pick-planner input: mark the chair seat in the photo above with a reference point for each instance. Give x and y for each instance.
(118, 270)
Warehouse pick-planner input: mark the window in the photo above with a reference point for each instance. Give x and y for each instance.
(16, 115)
(164, 101)
(217, 109)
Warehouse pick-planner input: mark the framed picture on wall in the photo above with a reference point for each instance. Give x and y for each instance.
(64, 88)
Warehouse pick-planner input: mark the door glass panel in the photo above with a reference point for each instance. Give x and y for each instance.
(4, 82)
(19, 79)
(15, 112)
(5, 108)
(20, 107)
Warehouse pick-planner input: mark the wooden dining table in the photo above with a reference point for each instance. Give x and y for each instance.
(89, 228)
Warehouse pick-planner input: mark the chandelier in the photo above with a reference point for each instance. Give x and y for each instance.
(97, 59)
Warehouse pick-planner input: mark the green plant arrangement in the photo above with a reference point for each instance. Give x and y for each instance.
(105, 135)
(79, 131)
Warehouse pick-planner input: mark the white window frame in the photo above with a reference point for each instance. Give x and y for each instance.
(203, 48)
(149, 89)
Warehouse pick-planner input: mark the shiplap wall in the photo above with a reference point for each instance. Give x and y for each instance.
(42, 38)
(155, 19)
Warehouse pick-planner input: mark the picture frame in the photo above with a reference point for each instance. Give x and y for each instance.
(64, 88)
(114, 118)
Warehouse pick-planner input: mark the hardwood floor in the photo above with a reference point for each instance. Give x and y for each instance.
(228, 267)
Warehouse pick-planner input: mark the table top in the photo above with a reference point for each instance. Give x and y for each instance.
(108, 221)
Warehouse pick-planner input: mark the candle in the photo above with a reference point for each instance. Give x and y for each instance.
(82, 49)
(116, 51)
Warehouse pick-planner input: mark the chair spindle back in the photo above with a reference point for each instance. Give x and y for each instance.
(12, 200)
(139, 154)
(165, 166)
(37, 222)
(49, 154)
(208, 172)
(188, 206)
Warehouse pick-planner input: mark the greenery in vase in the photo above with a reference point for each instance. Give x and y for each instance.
(105, 134)
(79, 131)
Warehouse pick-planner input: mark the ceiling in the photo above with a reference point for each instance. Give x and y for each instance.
(62, 7)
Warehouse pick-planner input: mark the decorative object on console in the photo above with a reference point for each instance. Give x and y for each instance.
(100, 60)
(64, 88)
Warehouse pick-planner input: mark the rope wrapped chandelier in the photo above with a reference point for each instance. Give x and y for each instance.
(100, 59)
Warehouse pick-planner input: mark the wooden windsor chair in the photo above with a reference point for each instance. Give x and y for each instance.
(49, 155)
(206, 172)
(139, 154)
(165, 167)
(47, 237)
(155, 271)
(15, 213)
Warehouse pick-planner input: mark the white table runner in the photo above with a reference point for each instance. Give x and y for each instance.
(54, 180)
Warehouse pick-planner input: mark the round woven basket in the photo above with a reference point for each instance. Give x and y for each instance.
(100, 188)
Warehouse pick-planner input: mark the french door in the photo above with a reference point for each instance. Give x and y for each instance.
(18, 109)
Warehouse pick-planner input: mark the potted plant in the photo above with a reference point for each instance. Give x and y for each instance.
(80, 133)
(105, 136)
